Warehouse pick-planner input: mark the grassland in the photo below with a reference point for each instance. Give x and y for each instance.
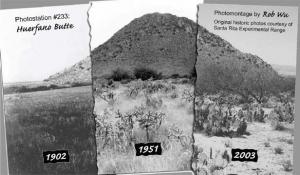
(50, 120)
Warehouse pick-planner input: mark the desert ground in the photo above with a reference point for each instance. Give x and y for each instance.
(262, 138)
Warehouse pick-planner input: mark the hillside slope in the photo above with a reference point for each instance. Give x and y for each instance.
(80, 73)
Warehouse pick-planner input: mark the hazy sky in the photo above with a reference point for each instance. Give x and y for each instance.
(28, 57)
(275, 48)
(107, 17)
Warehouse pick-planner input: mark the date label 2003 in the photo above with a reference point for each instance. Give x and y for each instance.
(145, 149)
(244, 155)
(56, 156)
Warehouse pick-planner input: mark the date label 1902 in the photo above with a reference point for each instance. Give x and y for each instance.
(145, 149)
(244, 155)
(56, 156)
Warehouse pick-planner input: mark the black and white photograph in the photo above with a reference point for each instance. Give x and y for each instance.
(48, 100)
(245, 90)
(143, 59)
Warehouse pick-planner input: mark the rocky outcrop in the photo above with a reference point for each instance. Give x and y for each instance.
(79, 73)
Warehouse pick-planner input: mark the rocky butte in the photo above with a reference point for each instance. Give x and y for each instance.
(163, 42)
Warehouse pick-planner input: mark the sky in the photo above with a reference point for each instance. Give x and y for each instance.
(28, 57)
(107, 17)
(274, 48)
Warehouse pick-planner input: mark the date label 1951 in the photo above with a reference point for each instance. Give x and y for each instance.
(56, 156)
(145, 149)
(244, 155)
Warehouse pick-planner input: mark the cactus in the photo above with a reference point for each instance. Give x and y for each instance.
(220, 120)
(203, 164)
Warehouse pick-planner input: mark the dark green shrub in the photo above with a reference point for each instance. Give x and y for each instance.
(278, 150)
(53, 86)
(77, 84)
(283, 113)
(267, 144)
(287, 165)
(278, 126)
(193, 73)
(146, 73)
(259, 115)
(120, 74)
(30, 88)
(175, 76)
(242, 128)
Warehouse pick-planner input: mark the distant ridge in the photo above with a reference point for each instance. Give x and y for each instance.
(285, 70)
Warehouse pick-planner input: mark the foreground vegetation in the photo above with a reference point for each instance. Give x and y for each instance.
(240, 105)
(51, 120)
(38, 86)
(143, 110)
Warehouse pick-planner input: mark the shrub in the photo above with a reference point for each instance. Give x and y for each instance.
(152, 87)
(278, 150)
(193, 73)
(120, 74)
(185, 81)
(242, 128)
(175, 76)
(285, 112)
(174, 95)
(30, 88)
(146, 73)
(169, 88)
(267, 144)
(276, 123)
(287, 165)
(125, 81)
(53, 86)
(133, 92)
(154, 102)
(228, 144)
(75, 84)
(278, 126)
(188, 95)
(204, 164)
(290, 141)
(259, 115)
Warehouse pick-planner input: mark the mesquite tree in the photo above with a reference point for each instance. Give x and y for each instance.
(249, 80)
